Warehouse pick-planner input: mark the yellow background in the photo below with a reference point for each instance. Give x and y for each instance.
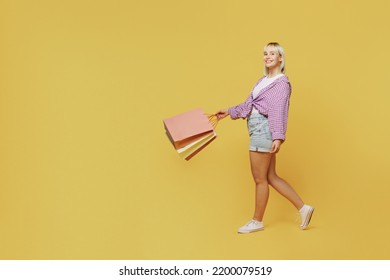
(86, 169)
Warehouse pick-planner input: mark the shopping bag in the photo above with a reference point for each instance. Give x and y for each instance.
(185, 128)
(192, 149)
(190, 132)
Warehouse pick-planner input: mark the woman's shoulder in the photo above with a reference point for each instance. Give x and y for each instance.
(283, 78)
(283, 83)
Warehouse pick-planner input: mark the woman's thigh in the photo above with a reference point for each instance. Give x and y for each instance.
(260, 163)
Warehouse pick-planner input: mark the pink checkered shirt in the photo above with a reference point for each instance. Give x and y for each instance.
(273, 102)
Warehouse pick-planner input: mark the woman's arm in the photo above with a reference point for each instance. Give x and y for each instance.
(239, 111)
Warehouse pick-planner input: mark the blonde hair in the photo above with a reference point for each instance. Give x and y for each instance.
(280, 51)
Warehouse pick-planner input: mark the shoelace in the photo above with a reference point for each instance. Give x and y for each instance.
(252, 222)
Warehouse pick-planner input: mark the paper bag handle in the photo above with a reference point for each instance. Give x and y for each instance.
(213, 119)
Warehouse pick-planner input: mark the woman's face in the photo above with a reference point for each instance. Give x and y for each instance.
(272, 59)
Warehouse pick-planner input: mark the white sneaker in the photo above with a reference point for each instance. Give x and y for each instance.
(251, 226)
(306, 212)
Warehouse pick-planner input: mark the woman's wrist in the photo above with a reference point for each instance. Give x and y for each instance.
(222, 113)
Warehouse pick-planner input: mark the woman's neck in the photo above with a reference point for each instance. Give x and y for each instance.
(273, 72)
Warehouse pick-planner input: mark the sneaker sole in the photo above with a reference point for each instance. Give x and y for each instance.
(308, 219)
(250, 231)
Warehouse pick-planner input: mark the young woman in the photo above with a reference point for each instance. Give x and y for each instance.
(266, 111)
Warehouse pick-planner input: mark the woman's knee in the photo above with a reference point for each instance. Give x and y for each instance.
(272, 179)
(261, 180)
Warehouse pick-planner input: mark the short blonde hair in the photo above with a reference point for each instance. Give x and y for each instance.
(280, 50)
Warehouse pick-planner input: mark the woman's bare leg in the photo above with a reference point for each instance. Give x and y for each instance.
(259, 165)
(282, 186)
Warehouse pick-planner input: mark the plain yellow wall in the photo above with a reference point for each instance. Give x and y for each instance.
(86, 171)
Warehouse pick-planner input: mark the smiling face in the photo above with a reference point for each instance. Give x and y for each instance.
(272, 58)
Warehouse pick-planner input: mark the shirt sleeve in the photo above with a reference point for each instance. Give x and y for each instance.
(241, 110)
(278, 111)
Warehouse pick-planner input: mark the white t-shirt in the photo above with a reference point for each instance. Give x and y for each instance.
(263, 83)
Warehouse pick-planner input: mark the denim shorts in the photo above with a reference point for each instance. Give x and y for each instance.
(259, 133)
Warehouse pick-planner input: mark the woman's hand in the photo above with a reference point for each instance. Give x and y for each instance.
(276, 146)
(222, 114)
